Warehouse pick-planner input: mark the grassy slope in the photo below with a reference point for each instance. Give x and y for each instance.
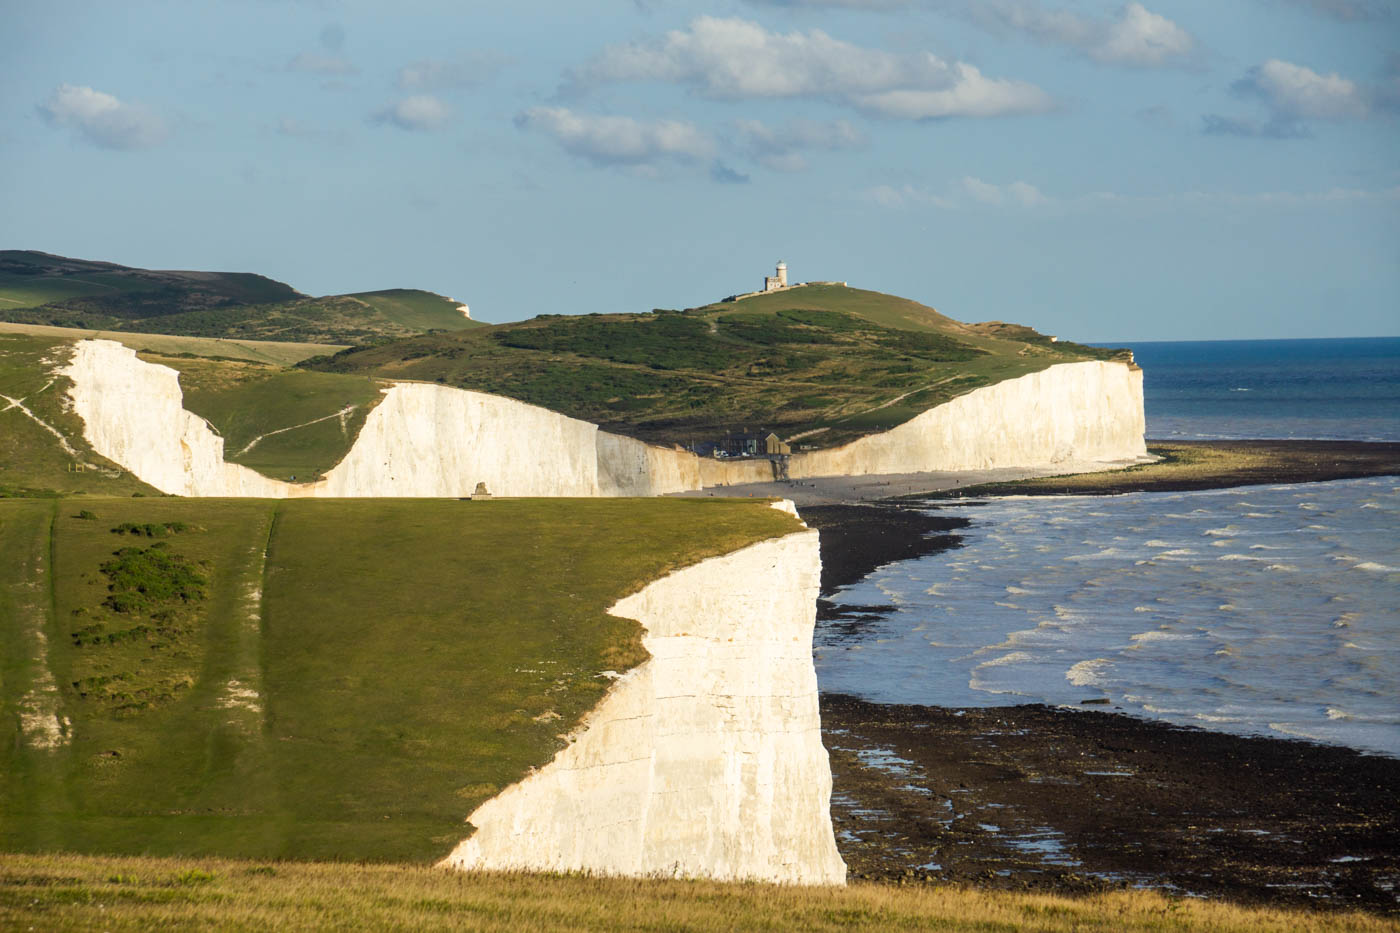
(32, 460)
(303, 423)
(258, 351)
(39, 289)
(76, 893)
(839, 361)
(416, 309)
(354, 695)
(31, 279)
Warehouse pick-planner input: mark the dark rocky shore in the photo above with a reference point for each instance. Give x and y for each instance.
(1031, 797)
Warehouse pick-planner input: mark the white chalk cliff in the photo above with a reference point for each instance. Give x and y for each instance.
(420, 440)
(704, 761)
(430, 440)
(1072, 413)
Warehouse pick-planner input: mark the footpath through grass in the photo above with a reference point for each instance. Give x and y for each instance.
(311, 679)
(64, 892)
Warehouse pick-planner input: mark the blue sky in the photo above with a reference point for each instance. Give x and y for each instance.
(1172, 169)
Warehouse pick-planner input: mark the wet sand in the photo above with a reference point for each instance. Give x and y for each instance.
(1030, 797)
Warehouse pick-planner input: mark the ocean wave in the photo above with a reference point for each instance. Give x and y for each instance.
(1086, 673)
(1013, 657)
(1229, 531)
(1159, 635)
(1375, 567)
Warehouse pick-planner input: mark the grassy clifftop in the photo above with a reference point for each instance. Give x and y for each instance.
(825, 363)
(38, 288)
(311, 679)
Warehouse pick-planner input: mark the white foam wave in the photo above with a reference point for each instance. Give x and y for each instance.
(1158, 635)
(1087, 673)
(1013, 657)
(1375, 567)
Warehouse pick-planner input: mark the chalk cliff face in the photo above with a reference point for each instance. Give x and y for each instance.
(421, 440)
(705, 760)
(1073, 413)
(428, 440)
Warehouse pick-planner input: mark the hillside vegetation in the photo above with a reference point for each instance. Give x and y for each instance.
(332, 679)
(37, 288)
(822, 363)
(66, 892)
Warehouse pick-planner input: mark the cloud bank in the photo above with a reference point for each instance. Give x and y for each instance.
(1135, 37)
(735, 59)
(617, 140)
(102, 119)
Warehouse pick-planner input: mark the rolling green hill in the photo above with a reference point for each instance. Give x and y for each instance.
(340, 679)
(823, 363)
(37, 288)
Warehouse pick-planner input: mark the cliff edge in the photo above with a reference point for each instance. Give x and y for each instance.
(704, 761)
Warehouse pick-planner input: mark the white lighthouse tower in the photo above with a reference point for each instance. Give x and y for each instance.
(777, 281)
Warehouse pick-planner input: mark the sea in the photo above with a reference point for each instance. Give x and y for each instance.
(1259, 610)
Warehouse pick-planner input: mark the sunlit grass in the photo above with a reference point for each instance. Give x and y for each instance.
(67, 892)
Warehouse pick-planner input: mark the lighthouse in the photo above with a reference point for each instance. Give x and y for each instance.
(778, 280)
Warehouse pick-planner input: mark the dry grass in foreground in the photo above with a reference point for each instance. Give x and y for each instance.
(66, 892)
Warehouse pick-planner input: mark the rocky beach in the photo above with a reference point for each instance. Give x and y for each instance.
(1072, 799)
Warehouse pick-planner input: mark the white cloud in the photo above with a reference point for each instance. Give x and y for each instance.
(1141, 37)
(968, 191)
(1136, 37)
(1296, 92)
(319, 64)
(615, 140)
(738, 59)
(102, 119)
(421, 112)
(435, 75)
(1293, 95)
(1019, 193)
(780, 147)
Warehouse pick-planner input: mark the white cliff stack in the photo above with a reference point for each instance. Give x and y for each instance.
(704, 761)
(430, 440)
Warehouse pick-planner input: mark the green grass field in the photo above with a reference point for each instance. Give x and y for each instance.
(280, 422)
(219, 348)
(419, 310)
(311, 679)
(65, 892)
(828, 362)
(31, 291)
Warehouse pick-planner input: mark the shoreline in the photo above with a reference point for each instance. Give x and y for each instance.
(1186, 465)
(1066, 800)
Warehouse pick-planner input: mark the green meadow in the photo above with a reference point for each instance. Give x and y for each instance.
(311, 679)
